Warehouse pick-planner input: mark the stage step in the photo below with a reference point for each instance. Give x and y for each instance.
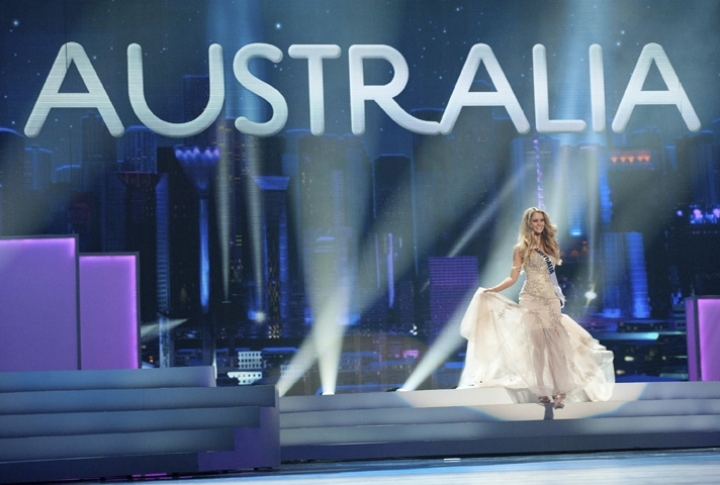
(132, 399)
(102, 422)
(71, 380)
(95, 424)
(493, 412)
(489, 421)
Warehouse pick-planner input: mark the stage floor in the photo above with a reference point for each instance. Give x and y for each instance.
(659, 467)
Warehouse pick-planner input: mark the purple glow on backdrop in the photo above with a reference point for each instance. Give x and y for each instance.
(38, 304)
(693, 349)
(709, 332)
(692, 341)
(109, 312)
(702, 317)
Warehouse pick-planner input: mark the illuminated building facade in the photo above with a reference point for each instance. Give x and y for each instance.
(452, 281)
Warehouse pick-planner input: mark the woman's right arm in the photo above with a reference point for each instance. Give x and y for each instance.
(514, 273)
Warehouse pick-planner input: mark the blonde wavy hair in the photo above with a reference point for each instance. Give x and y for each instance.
(526, 242)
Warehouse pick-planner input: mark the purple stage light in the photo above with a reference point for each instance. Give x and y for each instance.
(109, 311)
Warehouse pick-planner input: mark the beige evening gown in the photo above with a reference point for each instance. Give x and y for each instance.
(533, 346)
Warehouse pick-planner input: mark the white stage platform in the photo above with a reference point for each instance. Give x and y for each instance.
(476, 422)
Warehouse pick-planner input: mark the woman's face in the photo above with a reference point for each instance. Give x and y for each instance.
(537, 222)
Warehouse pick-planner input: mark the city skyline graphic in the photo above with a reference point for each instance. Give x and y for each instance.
(315, 189)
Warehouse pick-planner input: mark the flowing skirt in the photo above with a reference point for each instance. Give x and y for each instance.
(533, 346)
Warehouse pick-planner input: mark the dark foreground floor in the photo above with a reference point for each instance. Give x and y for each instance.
(641, 467)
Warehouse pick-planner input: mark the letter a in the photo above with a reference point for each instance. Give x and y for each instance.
(462, 96)
(634, 95)
(51, 97)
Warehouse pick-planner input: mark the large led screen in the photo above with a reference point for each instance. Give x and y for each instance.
(286, 170)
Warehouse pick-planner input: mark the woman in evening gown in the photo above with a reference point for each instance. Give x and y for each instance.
(533, 345)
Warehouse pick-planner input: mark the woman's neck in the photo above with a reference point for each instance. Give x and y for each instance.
(537, 239)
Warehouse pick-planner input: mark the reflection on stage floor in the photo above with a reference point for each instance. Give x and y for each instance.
(666, 467)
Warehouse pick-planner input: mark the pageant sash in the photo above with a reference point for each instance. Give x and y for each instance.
(553, 276)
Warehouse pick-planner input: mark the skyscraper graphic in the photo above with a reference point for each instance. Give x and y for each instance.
(139, 154)
(13, 215)
(98, 152)
(259, 236)
(177, 239)
(695, 225)
(695, 269)
(139, 145)
(636, 184)
(199, 165)
(393, 238)
(704, 170)
(275, 253)
(130, 211)
(141, 234)
(452, 281)
(434, 192)
(626, 284)
(577, 190)
(331, 197)
(38, 168)
(98, 167)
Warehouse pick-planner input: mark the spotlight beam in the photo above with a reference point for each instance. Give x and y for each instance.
(447, 343)
(450, 339)
(324, 344)
(298, 366)
(150, 331)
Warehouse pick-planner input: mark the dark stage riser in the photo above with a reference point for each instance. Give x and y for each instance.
(95, 424)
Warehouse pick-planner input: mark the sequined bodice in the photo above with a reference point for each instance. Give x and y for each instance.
(538, 282)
